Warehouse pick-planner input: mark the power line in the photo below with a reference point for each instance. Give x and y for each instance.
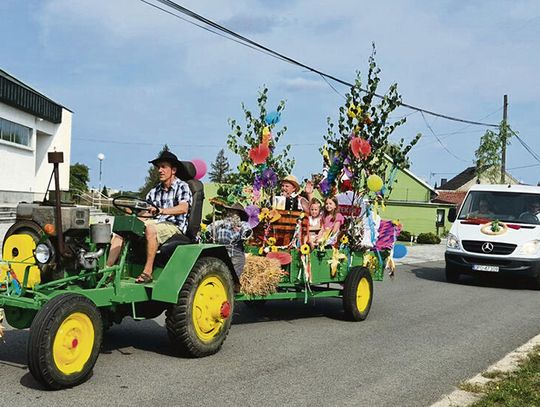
(142, 143)
(252, 44)
(439, 140)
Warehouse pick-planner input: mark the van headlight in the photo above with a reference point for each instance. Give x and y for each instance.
(42, 253)
(530, 248)
(452, 241)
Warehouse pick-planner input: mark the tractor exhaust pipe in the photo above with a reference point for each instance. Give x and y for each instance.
(56, 158)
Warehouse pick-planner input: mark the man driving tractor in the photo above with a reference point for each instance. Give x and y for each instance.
(170, 200)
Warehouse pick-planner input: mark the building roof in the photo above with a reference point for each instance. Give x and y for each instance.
(459, 180)
(17, 94)
(451, 197)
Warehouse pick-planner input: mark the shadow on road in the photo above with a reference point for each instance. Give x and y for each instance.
(436, 273)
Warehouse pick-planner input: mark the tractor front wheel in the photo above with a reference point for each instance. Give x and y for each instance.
(357, 294)
(65, 339)
(199, 323)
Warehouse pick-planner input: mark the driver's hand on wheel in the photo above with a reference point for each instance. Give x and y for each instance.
(154, 211)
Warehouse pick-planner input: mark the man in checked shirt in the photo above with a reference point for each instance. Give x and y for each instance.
(172, 197)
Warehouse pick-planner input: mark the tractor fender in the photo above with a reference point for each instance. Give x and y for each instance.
(173, 276)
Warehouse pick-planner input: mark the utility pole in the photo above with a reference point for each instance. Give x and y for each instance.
(503, 139)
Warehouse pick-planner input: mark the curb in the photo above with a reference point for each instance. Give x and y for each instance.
(507, 364)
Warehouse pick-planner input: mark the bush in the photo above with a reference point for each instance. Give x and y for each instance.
(428, 238)
(404, 236)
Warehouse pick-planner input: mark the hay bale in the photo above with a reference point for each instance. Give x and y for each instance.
(261, 276)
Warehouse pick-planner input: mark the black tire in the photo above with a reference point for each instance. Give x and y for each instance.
(42, 353)
(191, 338)
(255, 304)
(451, 274)
(357, 294)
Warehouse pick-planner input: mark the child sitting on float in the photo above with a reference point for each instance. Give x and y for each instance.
(314, 224)
(332, 222)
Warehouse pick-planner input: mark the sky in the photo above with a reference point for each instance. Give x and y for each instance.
(137, 78)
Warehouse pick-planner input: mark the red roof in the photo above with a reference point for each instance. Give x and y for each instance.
(452, 197)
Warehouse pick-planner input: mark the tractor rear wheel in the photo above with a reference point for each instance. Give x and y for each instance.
(357, 293)
(65, 339)
(199, 323)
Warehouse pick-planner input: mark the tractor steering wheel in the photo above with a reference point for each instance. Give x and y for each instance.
(135, 205)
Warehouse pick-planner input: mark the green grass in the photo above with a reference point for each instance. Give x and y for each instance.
(518, 389)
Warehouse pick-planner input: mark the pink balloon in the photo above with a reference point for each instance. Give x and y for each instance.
(200, 168)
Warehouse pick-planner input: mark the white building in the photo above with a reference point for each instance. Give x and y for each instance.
(31, 125)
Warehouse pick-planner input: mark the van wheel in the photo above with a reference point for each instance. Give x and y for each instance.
(452, 275)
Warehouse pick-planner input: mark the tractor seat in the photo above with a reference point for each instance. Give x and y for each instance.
(186, 172)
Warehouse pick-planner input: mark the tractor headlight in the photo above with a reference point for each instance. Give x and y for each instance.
(452, 241)
(42, 253)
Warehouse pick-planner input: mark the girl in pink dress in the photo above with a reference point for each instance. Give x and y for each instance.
(332, 222)
(314, 222)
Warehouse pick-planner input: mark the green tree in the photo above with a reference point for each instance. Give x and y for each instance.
(104, 191)
(78, 177)
(489, 152)
(220, 168)
(152, 179)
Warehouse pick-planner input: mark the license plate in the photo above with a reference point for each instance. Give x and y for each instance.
(482, 267)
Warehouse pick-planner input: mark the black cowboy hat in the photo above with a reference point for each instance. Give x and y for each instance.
(234, 207)
(169, 157)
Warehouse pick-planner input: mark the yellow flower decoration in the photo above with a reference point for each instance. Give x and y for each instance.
(305, 249)
(352, 111)
(203, 227)
(344, 239)
(266, 131)
(273, 249)
(271, 241)
(261, 250)
(337, 258)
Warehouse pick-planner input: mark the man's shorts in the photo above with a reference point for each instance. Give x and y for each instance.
(164, 230)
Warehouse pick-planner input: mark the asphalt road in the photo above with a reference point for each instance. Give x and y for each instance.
(422, 338)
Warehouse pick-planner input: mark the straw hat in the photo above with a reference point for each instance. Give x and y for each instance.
(292, 180)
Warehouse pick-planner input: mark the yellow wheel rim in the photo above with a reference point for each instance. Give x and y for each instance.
(363, 294)
(73, 343)
(210, 308)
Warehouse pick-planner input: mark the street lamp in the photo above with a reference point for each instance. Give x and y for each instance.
(100, 157)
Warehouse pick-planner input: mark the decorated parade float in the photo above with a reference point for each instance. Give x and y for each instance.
(55, 281)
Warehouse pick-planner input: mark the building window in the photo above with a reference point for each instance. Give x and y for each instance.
(15, 133)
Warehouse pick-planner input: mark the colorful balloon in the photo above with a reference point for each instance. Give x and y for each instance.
(272, 118)
(374, 183)
(200, 168)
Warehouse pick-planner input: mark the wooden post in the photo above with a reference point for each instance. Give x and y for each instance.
(503, 139)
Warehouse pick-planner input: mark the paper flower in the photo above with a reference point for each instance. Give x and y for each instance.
(344, 239)
(253, 215)
(360, 147)
(259, 154)
(337, 257)
(283, 257)
(243, 168)
(273, 249)
(271, 241)
(305, 249)
(272, 118)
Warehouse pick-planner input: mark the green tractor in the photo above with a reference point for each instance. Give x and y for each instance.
(54, 280)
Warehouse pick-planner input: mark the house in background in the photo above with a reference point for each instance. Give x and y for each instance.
(31, 125)
(453, 191)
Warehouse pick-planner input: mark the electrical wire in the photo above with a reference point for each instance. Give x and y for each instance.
(440, 142)
(259, 47)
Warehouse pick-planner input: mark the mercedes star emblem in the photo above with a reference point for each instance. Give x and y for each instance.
(487, 247)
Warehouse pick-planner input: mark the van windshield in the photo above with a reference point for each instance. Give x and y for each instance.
(514, 207)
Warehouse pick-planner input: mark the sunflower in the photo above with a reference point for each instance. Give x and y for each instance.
(261, 250)
(271, 241)
(344, 239)
(305, 249)
(273, 248)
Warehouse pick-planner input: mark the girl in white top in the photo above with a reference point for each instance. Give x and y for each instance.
(314, 222)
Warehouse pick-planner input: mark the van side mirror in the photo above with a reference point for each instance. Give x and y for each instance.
(452, 214)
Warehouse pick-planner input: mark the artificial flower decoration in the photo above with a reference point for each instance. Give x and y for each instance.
(203, 227)
(337, 257)
(273, 249)
(252, 212)
(271, 241)
(243, 168)
(305, 249)
(272, 118)
(354, 111)
(259, 154)
(360, 147)
(269, 215)
(284, 258)
(344, 239)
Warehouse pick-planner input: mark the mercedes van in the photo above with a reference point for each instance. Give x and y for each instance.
(496, 230)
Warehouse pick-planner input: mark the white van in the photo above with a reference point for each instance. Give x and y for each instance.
(497, 230)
